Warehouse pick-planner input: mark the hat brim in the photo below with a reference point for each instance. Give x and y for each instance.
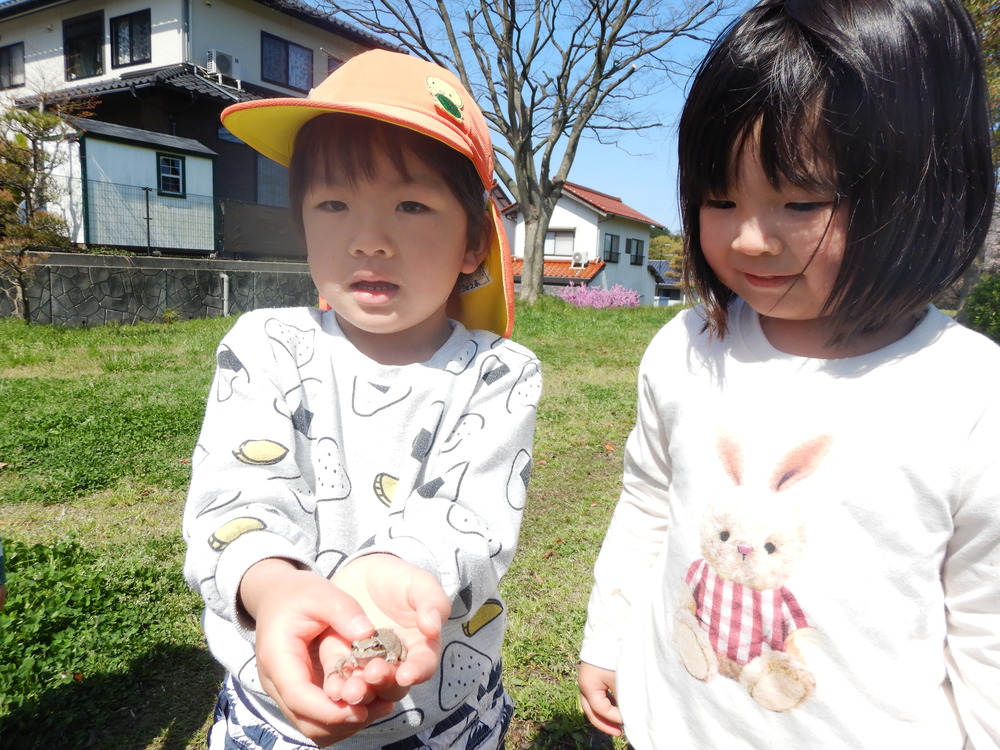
(270, 126)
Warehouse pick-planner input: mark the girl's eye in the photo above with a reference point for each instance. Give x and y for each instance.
(412, 207)
(332, 206)
(807, 207)
(717, 203)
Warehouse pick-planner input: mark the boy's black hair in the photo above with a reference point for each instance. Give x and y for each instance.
(890, 96)
(345, 145)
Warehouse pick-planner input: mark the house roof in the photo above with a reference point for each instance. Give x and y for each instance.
(293, 8)
(560, 269)
(608, 204)
(663, 272)
(184, 77)
(135, 135)
(326, 21)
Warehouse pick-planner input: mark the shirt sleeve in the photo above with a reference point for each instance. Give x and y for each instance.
(637, 532)
(972, 594)
(240, 509)
(462, 521)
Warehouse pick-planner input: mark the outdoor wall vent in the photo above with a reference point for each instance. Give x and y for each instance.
(224, 64)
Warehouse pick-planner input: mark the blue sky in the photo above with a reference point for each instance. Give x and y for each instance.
(644, 175)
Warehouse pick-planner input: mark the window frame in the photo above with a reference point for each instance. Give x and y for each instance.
(556, 239)
(636, 254)
(288, 46)
(130, 19)
(612, 253)
(89, 23)
(13, 73)
(181, 175)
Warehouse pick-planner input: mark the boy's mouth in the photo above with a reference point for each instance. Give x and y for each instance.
(373, 286)
(374, 292)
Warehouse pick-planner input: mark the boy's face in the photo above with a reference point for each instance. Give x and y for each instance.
(385, 253)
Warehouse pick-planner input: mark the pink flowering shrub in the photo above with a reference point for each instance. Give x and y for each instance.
(582, 295)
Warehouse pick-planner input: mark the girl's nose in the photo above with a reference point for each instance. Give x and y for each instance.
(755, 237)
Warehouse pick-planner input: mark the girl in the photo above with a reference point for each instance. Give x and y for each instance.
(811, 488)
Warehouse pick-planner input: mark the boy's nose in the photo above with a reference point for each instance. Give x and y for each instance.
(372, 240)
(755, 237)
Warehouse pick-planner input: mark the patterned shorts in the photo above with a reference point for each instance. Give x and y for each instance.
(238, 727)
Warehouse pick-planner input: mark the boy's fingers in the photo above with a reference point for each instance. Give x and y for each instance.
(421, 663)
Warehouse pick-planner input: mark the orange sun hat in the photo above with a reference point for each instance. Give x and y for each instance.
(401, 90)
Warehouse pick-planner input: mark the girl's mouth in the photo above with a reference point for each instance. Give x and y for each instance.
(768, 282)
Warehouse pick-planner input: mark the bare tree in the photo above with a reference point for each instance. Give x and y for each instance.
(546, 74)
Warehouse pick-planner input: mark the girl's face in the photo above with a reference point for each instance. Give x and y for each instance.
(778, 248)
(385, 253)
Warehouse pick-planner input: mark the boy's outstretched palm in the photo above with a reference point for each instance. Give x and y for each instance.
(396, 594)
(297, 613)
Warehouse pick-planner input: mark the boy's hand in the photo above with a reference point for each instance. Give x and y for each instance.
(396, 594)
(597, 688)
(299, 613)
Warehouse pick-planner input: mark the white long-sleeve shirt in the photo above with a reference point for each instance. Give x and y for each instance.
(312, 452)
(895, 528)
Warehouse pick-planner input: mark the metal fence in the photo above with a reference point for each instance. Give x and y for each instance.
(142, 220)
(140, 217)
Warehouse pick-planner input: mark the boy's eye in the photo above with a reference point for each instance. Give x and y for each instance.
(718, 203)
(412, 207)
(332, 206)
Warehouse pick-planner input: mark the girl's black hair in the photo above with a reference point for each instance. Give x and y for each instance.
(344, 145)
(889, 95)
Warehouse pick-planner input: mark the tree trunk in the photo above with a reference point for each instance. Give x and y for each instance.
(534, 259)
(536, 226)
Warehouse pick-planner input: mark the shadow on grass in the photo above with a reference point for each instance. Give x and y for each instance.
(167, 693)
(563, 732)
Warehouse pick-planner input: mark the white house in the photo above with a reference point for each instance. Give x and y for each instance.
(161, 71)
(594, 239)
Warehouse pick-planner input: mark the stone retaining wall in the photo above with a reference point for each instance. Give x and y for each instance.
(76, 289)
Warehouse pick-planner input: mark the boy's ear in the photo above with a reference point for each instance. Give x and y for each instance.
(474, 255)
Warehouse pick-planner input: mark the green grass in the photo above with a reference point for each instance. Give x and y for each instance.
(100, 640)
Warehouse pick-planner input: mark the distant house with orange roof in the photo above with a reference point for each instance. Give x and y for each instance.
(594, 238)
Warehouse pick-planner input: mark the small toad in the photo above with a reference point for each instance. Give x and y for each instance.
(385, 644)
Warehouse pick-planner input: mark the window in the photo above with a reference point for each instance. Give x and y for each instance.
(83, 46)
(332, 63)
(635, 248)
(272, 183)
(130, 39)
(170, 174)
(12, 65)
(285, 63)
(559, 242)
(611, 251)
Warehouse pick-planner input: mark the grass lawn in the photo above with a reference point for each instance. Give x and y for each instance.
(100, 642)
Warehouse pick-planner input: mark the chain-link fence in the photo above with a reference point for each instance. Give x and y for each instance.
(141, 218)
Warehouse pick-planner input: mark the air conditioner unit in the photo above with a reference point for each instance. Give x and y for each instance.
(223, 63)
(579, 260)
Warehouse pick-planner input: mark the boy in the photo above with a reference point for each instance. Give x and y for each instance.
(366, 467)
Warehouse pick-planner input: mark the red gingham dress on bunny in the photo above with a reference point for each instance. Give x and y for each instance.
(739, 620)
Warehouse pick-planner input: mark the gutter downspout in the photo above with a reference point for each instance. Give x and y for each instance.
(225, 293)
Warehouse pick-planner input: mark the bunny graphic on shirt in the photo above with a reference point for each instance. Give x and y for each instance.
(737, 616)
